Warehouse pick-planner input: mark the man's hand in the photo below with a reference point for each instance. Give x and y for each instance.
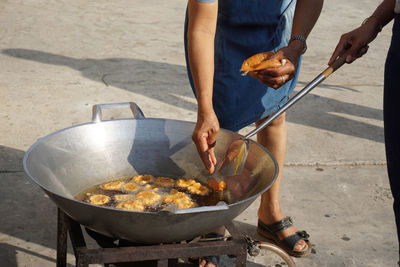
(355, 43)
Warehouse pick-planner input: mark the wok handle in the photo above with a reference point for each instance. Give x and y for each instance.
(97, 115)
(335, 65)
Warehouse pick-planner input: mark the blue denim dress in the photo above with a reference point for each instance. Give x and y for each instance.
(245, 28)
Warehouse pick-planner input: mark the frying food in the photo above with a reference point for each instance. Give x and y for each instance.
(183, 183)
(216, 186)
(132, 187)
(131, 205)
(99, 199)
(151, 187)
(124, 197)
(114, 185)
(143, 179)
(259, 62)
(198, 189)
(148, 197)
(180, 199)
(165, 182)
(149, 193)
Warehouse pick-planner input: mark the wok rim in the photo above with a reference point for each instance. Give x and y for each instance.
(41, 139)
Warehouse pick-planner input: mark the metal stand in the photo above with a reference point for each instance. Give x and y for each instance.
(165, 255)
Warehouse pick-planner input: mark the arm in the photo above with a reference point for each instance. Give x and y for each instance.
(356, 41)
(201, 33)
(305, 17)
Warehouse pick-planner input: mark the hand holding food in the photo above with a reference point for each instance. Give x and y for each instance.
(259, 61)
(273, 69)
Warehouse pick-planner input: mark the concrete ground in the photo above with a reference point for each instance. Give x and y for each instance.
(58, 58)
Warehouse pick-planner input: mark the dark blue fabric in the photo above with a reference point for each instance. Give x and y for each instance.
(391, 118)
(245, 28)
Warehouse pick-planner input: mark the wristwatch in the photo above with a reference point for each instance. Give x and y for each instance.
(302, 39)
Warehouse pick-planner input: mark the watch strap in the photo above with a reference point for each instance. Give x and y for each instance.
(302, 39)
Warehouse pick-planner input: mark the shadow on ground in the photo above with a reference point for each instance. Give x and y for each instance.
(141, 76)
(29, 218)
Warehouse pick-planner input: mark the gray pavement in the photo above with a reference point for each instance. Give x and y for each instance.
(58, 58)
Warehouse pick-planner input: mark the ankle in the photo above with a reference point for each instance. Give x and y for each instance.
(270, 217)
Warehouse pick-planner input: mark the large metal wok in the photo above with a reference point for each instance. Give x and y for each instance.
(73, 159)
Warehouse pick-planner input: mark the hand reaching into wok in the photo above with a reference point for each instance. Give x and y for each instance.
(205, 136)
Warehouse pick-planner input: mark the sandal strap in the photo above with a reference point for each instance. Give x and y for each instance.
(292, 240)
(277, 226)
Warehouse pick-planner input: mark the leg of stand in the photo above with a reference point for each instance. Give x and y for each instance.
(241, 259)
(62, 234)
(78, 241)
(162, 263)
(241, 256)
(76, 235)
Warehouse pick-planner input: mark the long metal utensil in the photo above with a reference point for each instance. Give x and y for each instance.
(236, 155)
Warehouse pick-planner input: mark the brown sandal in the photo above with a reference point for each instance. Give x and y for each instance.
(270, 232)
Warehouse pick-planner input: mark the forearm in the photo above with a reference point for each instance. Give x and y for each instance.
(305, 17)
(383, 14)
(201, 32)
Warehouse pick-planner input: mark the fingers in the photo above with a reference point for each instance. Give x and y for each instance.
(206, 154)
(356, 53)
(354, 44)
(213, 158)
(363, 50)
(276, 77)
(340, 49)
(205, 136)
(211, 142)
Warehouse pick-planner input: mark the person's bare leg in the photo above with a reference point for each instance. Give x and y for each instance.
(274, 138)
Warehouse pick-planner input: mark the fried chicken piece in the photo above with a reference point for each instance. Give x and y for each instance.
(114, 185)
(259, 61)
(99, 199)
(143, 179)
(216, 186)
(131, 205)
(132, 187)
(165, 182)
(148, 197)
(184, 183)
(198, 189)
(124, 197)
(180, 199)
(151, 187)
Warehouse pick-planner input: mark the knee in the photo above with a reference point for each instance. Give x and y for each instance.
(278, 122)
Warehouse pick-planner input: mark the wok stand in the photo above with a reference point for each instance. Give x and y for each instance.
(164, 254)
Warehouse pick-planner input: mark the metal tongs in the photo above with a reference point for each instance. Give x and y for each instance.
(236, 155)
